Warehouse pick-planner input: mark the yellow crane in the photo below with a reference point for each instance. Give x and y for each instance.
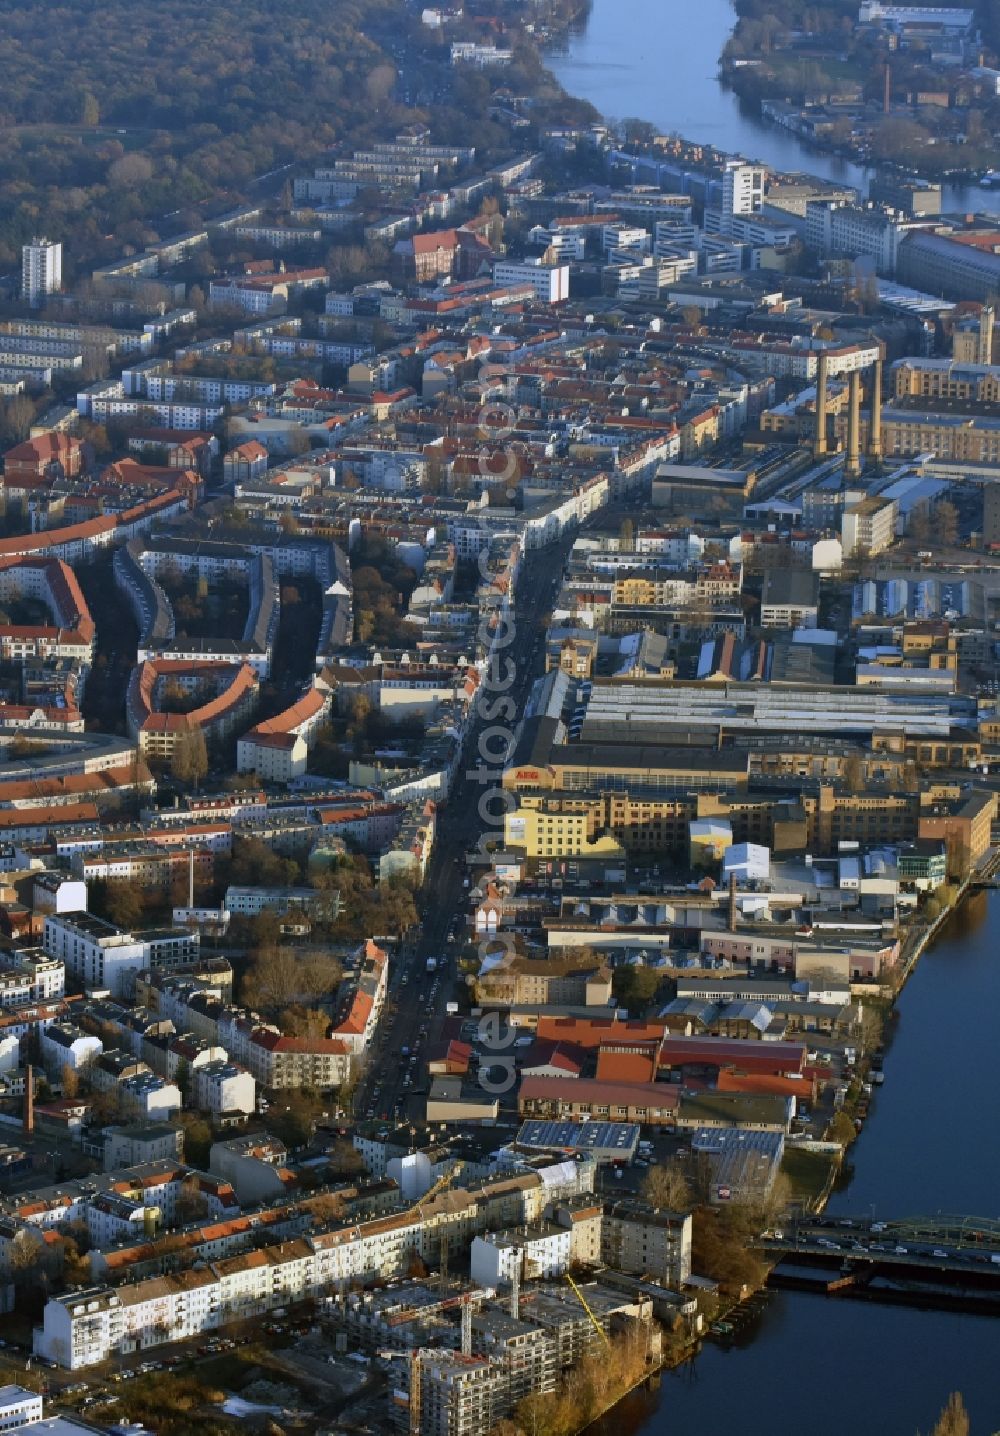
(441, 1183)
(583, 1302)
(413, 1394)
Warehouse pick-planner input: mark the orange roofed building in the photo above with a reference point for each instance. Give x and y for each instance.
(234, 694)
(56, 454)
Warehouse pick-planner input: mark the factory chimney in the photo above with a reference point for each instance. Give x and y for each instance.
(875, 427)
(732, 902)
(191, 877)
(29, 1100)
(852, 467)
(819, 445)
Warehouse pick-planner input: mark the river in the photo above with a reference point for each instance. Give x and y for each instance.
(824, 1366)
(658, 60)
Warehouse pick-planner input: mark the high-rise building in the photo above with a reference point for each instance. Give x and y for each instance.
(742, 188)
(41, 270)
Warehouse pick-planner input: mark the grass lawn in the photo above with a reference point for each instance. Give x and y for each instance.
(807, 1171)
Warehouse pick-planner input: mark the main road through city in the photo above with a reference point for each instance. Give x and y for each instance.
(415, 1006)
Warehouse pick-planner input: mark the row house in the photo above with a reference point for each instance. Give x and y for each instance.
(84, 1328)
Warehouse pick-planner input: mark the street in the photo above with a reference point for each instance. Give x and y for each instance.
(415, 1006)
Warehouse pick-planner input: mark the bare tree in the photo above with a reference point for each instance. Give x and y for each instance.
(189, 761)
(191, 1204)
(853, 773)
(280, 978)
(665, 1185)
(946, 523)
(954, 1419)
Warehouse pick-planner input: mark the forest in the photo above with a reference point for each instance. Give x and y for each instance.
(112, 113)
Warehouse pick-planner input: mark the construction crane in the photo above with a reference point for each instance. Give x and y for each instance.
(439, 1186)
(413, 1395)
(441, 1183)
(583, 1302)
(466, 1300)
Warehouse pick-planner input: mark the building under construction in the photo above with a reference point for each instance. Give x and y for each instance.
(461, 1362)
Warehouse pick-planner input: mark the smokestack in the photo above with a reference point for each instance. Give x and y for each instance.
(732, 902)
(887, 89)
(819, 445)
(29, 1100)
(875, 427)
(852, 468)
(191, 878)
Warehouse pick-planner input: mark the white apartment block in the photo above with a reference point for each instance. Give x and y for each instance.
(149, 1098)
(800, 359)
(128, 1146)
(550, 282)
(274, 757)
(103, 956)
(30, 977)
(41, 270)
(541, 1251)
(868, 527)
(224, 1089)
(742, 188)
(62, 1045)
(18, 1407)
(114, 1217)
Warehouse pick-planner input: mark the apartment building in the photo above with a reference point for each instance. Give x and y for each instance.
(132, 1146)
(856, 231)
(409, 852)
(41, 270)
(18, 1407)
(647, 1241)
(104, 956)
(225, 1089)
(521, 981)
(542, 1250)
(869, 526)
(549, 282)
(65, 1046)
(277, 1061)
(277, 750)
(84, 1328)
(30, 975)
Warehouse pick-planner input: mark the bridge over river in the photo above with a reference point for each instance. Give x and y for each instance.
(926, 1260)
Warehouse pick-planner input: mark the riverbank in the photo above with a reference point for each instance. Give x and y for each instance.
(924, 1149)
(618, 61)
(836, 84)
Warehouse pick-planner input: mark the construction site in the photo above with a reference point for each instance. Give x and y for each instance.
(460, 1361)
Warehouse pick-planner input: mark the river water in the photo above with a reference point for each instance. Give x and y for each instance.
(658, 60)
